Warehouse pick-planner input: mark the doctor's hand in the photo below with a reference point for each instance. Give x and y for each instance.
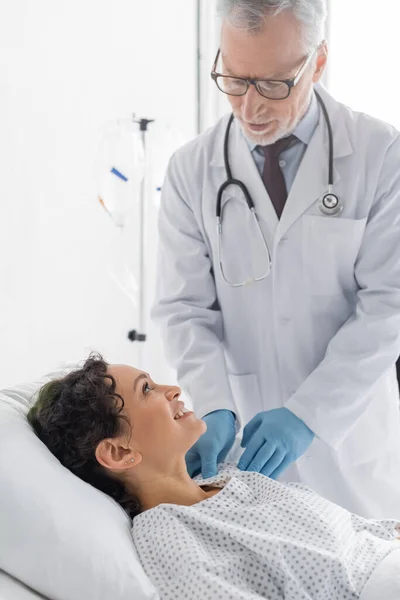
(273, 440)
(213, 446)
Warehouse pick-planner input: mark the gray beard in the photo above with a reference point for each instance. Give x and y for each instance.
(268, 140)
(282, 131)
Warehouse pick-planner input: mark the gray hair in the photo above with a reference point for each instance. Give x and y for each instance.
(250, 15)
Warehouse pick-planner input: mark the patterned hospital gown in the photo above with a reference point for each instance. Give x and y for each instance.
(259, 538)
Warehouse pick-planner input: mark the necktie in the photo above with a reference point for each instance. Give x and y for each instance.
(272, 173)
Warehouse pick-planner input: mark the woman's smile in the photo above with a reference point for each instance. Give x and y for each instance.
(187, 414)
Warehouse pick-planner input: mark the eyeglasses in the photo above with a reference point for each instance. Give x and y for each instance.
(273, 89)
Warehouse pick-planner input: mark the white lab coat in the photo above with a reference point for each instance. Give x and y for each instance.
(321, 334)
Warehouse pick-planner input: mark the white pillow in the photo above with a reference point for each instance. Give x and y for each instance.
(58, 534)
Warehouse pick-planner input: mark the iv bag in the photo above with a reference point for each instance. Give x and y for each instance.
(120, 167)
(121, 266)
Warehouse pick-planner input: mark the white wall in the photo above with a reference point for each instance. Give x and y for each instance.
(213, 104)
(364, 54)
(66, 68)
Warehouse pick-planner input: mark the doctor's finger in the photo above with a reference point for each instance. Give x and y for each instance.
(274, 462)
(193, 465)
(209, 465)
(256, 454)
(262, 457)
(250, 430)
(224, 452)
(287, 461)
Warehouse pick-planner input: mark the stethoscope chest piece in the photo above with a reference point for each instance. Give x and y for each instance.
(329, 205)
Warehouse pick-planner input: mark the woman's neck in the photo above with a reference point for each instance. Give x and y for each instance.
(178, 488)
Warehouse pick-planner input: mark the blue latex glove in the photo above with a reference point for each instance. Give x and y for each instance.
(213, 446)
(273, 440)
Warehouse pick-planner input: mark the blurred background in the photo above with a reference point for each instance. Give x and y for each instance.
(74, 78)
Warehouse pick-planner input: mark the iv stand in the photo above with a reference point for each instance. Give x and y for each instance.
(139, 335)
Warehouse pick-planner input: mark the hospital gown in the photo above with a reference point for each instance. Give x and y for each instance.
(258, 538)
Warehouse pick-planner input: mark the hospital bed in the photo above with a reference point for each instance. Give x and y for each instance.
(61, 539)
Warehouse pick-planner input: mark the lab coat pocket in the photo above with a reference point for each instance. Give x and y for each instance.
(246, 392)
(329, 250)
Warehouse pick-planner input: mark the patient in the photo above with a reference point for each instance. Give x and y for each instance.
(237, 535)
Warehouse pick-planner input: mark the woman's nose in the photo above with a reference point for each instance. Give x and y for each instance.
(173, 392)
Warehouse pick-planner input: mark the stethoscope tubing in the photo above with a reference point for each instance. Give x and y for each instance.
(231, 181)
(329, 204)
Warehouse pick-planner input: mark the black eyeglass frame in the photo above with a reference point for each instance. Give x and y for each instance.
(291, 83)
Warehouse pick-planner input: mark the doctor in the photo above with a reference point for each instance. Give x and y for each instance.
(285, 326)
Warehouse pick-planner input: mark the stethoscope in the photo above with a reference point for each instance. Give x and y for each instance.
(329, 205)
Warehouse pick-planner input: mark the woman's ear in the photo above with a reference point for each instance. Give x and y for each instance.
(114, 456)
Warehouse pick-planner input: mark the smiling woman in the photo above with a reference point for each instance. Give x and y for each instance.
(113, 427)
(237, 534)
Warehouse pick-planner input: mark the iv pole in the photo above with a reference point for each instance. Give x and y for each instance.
(139, 335)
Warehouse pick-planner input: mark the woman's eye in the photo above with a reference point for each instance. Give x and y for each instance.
(146, 388)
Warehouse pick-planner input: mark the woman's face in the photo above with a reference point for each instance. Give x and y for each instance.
(156, 435)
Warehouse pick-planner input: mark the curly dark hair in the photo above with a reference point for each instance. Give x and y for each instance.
(76, 412)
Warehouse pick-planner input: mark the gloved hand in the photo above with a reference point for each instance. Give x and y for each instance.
(213, 446)
(273, 440)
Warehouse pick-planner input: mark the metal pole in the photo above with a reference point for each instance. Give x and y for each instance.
(140, 335)
(142, 242)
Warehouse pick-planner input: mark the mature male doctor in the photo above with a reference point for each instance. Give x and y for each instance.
(287, 323)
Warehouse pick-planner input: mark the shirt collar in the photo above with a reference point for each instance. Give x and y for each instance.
(305, 129)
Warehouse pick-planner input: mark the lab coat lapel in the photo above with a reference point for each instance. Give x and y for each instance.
(311, 181)
(245, 169)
